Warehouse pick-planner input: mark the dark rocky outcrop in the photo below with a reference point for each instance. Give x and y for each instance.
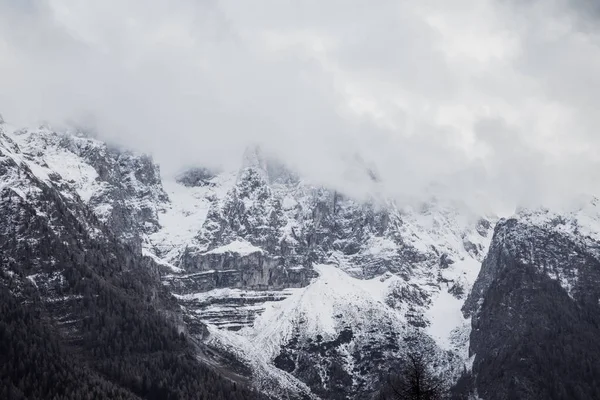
(196, 177)
(230, 270)
(535, 315)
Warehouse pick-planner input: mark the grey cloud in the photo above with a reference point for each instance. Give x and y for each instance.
(492, 103)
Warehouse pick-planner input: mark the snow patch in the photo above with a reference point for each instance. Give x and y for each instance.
(444, 316)
(157, 260)
(381, 246)
(332, 299)
(241, 247)
(184, 216)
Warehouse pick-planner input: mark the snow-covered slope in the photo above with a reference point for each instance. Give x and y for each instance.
(278, 265)
(124, 189)
(84, 311)
(302, 289)
(184, 215)
(315, 291)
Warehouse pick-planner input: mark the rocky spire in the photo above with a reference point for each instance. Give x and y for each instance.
(270, 168)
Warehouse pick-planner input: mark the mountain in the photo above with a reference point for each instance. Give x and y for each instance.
(535, 308)
(258, 278)
(84, 313)
(315, 292)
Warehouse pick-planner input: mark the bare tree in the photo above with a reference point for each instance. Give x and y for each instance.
(415, 381)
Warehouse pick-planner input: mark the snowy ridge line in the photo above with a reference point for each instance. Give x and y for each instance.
(241, 247)
(402, 268)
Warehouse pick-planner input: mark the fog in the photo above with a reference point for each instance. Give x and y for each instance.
(489, 102)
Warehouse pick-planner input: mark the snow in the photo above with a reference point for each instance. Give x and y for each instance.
(58, 159)
(40, 172)
(103, 210)
(588, 219)
(240, 247)
(157, 260)
(262, 370)
(183, 217)
(31, 278)
(19, 193)
(185, 214)
(331, 301)
(580, 222)
(289, 203)
(336, 298)
(229, 293)
(288, 231)
(444, 228)
(378, 287)
(18, 178)
(381, 246)
(185, 276)
(64, 298)
(318, 306)
(566, 278)
(444, 316)
(72, 168)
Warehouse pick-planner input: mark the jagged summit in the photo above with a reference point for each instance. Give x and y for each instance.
(534, 306)
(253, 158)
(268, 166)
(77, 292)
(302, 289)
(233, 244)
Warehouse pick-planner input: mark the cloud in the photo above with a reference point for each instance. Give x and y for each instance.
(489, 102)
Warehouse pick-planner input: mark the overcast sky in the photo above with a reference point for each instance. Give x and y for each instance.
(493, 102)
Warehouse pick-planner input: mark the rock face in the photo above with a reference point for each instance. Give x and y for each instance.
(535, 309)
(84, 312)
(255, 258)
(194, 177)
(124, 189)
(303, 291)
(315, 292)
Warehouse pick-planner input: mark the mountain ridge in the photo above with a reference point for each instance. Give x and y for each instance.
(304, 291)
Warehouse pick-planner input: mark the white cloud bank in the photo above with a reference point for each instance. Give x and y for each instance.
(493, 102)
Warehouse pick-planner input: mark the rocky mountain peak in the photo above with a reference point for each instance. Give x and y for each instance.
(535, 301)
(273, 170)
(308, 291)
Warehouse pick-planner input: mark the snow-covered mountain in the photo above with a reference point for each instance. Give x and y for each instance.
(301, 289)
(84, 313)
(535, 307)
